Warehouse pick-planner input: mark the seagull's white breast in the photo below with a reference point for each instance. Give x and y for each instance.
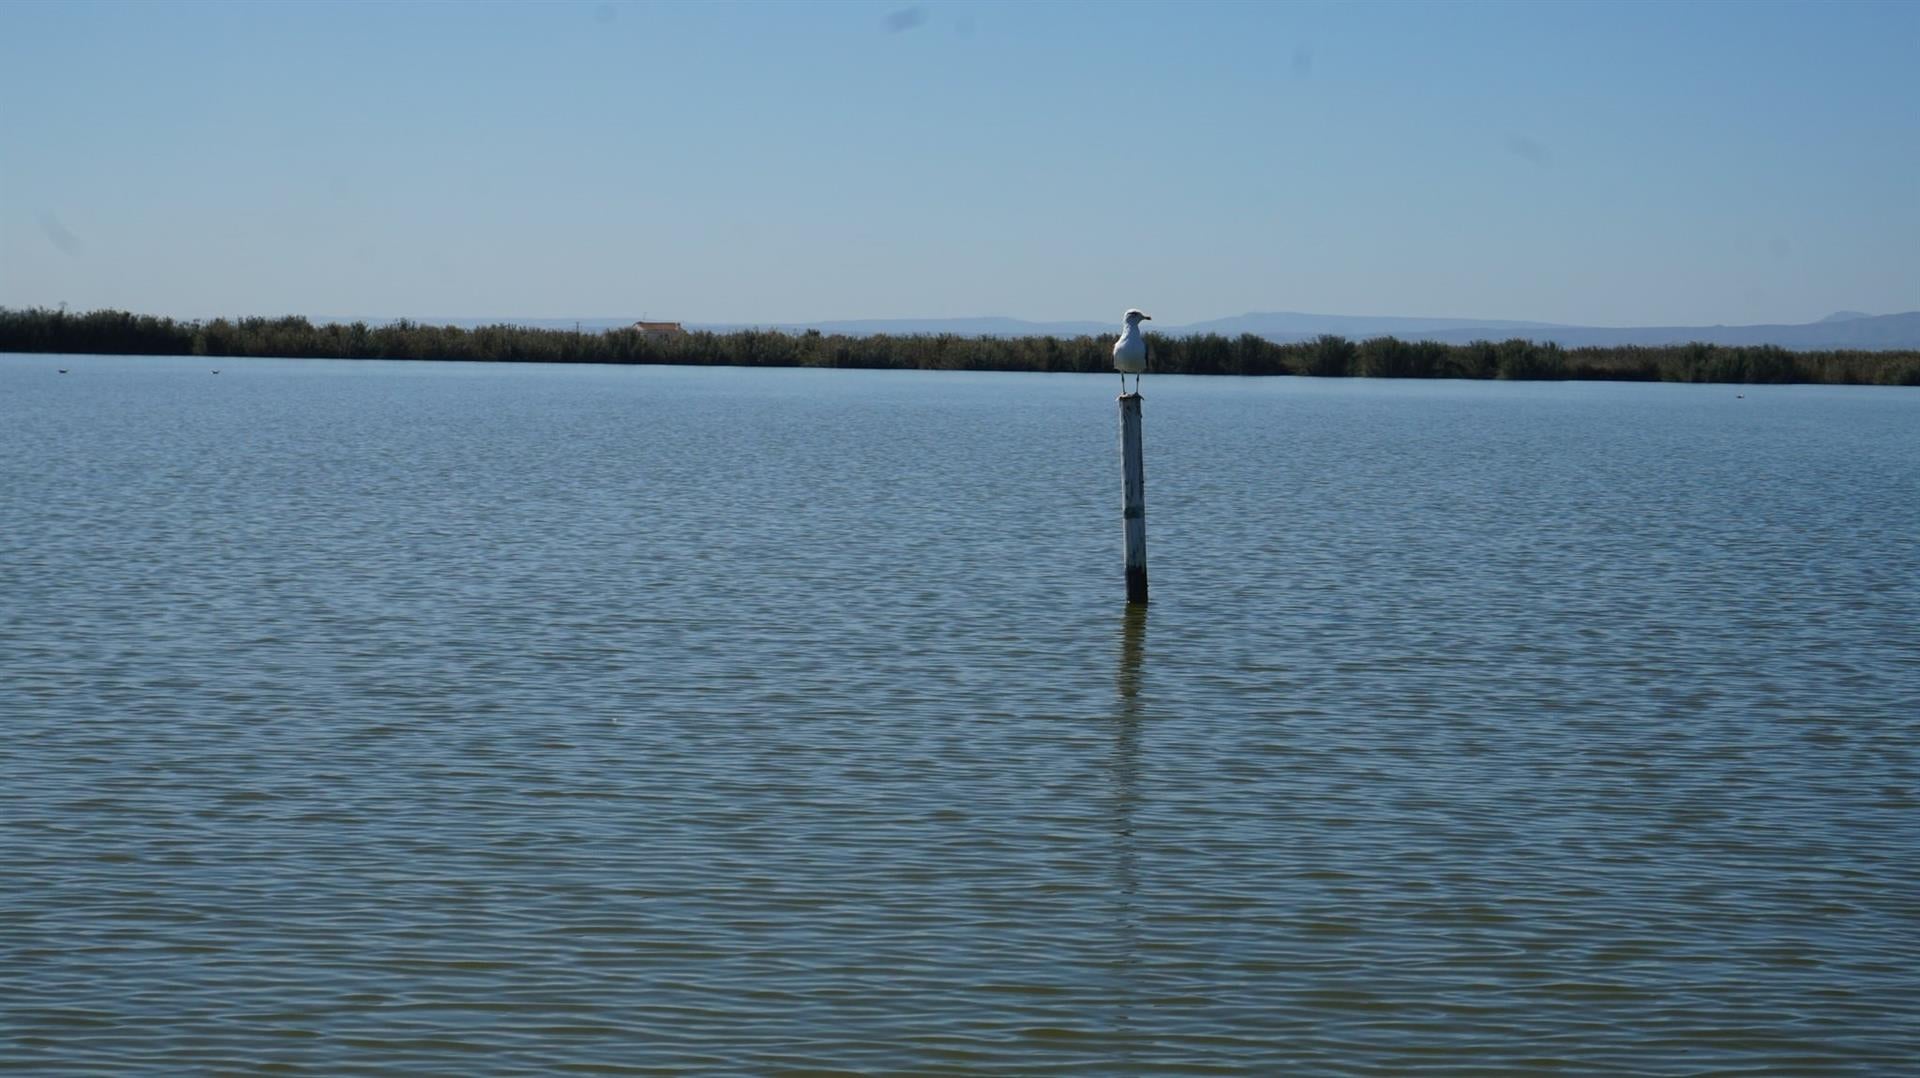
(1130, 351)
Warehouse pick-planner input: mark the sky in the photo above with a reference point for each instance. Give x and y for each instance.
(1594, 164)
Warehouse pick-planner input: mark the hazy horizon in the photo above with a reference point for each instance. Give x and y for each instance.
(1580, 164)
(437, 317)
(989, 316)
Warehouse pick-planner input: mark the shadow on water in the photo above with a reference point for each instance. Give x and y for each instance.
(1125, 774)
(1133, 644)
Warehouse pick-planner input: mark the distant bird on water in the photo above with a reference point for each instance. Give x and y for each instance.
(1130, 351)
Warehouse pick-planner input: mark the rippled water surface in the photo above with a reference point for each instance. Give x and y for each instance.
(439, 718)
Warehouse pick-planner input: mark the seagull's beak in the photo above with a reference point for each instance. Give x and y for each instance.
(1146, 318)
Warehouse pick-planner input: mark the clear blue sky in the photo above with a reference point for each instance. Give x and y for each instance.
(1590, 163)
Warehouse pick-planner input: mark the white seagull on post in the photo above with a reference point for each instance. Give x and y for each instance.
(1130, 351)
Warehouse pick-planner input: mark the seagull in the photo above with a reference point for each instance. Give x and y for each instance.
(1130, 351)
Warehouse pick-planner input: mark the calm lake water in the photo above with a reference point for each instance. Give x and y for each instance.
(409, 718)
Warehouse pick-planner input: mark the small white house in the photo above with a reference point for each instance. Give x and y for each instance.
(658, 330)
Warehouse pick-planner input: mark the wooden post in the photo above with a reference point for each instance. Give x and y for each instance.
(1133, 497)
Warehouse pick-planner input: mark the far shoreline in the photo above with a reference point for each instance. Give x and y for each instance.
(110, 332)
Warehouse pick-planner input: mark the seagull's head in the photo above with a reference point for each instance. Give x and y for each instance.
(1135, 317)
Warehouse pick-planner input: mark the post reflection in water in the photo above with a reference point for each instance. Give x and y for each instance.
(1125, 772)
(1133, 641)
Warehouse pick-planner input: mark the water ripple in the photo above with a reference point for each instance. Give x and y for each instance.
(386, 718)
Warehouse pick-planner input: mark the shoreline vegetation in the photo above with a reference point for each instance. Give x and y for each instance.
(109, 332)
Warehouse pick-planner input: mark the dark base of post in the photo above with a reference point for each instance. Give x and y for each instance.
(1137, 586)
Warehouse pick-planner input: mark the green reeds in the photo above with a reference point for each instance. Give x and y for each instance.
(1327, 356)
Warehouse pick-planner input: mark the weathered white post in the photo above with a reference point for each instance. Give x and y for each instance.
(1133, 496)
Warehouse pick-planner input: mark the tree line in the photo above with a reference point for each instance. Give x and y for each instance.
(110, 332)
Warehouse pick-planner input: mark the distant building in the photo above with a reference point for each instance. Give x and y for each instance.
(657, 330)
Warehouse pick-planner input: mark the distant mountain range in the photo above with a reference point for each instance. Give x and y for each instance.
(1864, 333)
(1842, 329)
